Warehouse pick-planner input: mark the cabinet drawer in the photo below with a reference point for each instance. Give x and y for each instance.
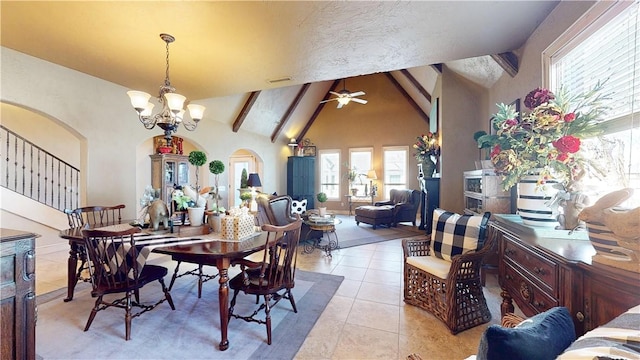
(541, 270)
(526, 293)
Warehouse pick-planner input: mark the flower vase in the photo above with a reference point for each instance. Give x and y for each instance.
(196, 215)
(533, 201)
(428, 168)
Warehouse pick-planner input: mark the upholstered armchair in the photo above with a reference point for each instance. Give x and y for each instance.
(405, 205)
(277, 210)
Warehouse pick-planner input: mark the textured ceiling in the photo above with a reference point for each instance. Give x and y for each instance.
(230, 48)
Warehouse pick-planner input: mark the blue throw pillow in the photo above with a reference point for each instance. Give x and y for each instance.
(541, 337)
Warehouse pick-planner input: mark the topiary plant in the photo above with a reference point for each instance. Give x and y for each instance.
(244, 179)
(216, 167)
(197, 158)
(322, 197)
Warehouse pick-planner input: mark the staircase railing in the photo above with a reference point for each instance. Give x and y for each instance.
(31, 171)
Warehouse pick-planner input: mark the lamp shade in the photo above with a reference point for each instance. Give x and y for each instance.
(371, 175)
(254, 180)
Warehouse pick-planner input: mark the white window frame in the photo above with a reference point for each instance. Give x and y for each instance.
(362, 178)
(320, 182)
(599, 15)
(386, 187)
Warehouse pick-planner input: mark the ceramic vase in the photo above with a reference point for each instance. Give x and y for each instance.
(428, 168)
(322, 211)
(196, 215)
(532, 202)
(215, 222)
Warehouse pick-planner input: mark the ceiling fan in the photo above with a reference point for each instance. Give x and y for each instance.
(345, 96)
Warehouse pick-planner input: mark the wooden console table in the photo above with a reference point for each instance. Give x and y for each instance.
(547, 268)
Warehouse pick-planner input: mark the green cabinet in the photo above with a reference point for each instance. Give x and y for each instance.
(301, 181)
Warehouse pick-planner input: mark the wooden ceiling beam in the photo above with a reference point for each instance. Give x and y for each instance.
(404, 93)
(508, 61)
(317, 111)
(415, 83)
(245, 110)
(287, 114)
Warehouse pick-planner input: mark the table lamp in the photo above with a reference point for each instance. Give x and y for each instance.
(371, 175)
(253, 182)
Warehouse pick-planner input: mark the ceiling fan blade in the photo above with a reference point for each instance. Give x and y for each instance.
(360, 101)
(334, 93)
(357, 93)
(324, 101)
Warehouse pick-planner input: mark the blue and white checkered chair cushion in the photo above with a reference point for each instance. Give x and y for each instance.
(122, 256)
(299, 206)
(454, 234)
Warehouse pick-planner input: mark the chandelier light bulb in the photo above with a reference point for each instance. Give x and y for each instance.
(139, 100)
(196, 111)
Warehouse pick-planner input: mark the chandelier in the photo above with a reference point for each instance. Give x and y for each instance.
(172, 114)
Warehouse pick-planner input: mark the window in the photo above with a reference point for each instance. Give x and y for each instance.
(330, 173)
(604, 45)
(395, 168)
(361, 160)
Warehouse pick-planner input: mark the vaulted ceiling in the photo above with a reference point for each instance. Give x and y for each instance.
(261, 54)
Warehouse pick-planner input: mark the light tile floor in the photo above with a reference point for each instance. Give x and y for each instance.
(366, 318)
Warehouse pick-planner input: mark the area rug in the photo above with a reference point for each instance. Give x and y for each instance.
(192, 331)
(350, 234)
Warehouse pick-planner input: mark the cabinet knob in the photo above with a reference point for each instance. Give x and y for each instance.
(509, 251)
(508, 277)
(538, 270)
(580, 316)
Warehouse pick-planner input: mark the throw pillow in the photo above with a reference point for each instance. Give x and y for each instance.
(454, 234)
(543, 336)
(299, 206)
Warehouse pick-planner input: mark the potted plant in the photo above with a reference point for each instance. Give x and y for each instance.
(322, 197)
(245, 197)
(216, 167)
(484, 146)
(197, 158)
(427, 149)
(351, 175)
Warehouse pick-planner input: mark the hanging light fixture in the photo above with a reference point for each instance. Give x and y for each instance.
(172, 114)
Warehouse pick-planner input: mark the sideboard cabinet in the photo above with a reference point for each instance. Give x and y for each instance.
(168, 170)
(18, 295)
(539, 272)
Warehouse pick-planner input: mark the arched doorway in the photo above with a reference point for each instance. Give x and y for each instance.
(242, 159)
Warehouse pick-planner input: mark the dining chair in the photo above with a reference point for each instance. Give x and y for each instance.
(273, 277)
(94, 216)
(120, 268)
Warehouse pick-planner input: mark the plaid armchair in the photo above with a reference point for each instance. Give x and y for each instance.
(405, 205)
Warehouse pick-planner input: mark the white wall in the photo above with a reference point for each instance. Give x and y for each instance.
(116, 165)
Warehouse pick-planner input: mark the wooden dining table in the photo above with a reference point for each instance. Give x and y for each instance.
(209, 249)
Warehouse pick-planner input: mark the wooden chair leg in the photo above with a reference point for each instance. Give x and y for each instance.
(200, 281)
(167, 294)
(267, 311)
(94, 311)
(127, 317)
(175, 276)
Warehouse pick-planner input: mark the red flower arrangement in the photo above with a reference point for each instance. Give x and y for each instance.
(546, 140)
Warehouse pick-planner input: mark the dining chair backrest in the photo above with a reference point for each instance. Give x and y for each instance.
(280, 256)
(117, 260)
(94, 215)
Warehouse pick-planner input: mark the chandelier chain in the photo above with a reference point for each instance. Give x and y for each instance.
(167, 82)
